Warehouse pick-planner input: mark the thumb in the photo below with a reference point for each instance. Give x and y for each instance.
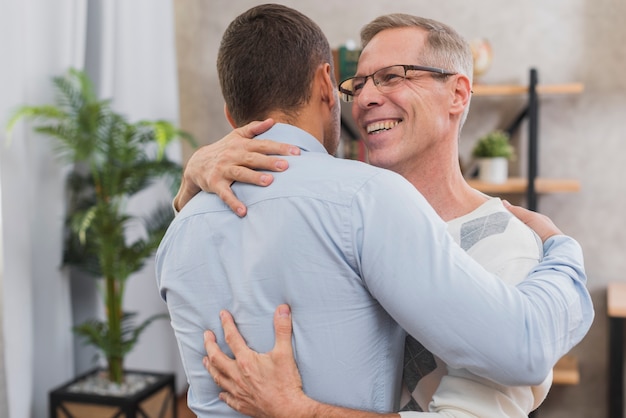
(283, 328)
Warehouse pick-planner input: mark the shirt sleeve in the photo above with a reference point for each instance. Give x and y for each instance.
(452, 305)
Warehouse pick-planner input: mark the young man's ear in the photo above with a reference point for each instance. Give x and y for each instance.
(327, 88)
(229, 117)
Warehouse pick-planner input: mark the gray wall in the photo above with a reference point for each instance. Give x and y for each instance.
(567, 41)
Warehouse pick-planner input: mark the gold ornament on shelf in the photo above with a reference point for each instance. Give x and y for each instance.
(483, 54)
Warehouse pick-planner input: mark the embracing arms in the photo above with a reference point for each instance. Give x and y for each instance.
(541, 303)
(213, 168)
(267, 385)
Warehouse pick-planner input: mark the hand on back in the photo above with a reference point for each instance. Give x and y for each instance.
(236, 157)
(541, 224)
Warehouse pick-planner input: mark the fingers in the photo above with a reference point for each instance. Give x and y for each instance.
(223, 369)
(541, 224)
(255, 384)
(236, 205)
(253, 160)
(264, 146)
(269, 147)
(260, 154)
(236, 157)
(239, 405)
(215, 356)
(215, 362)
(255, 128)
(232, 336)
(283, 329)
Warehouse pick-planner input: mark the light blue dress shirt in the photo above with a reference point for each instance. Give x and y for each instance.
(360, 256)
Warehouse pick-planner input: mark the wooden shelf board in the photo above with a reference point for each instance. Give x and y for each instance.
(616, 299)
(512, 89)
(516, 185)
(566, 372)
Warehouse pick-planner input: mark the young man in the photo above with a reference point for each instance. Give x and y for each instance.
(341, 242)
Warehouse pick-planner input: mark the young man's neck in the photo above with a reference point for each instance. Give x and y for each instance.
(302, 121)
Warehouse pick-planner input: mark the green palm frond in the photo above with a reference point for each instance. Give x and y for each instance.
(94, 332)
(33, 113)
(131, 333)
(156, 224)
(163, 133)
(98, 333)
(113, 160)
(158, 220)
(74, 90)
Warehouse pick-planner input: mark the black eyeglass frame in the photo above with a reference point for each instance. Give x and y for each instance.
(348, 95)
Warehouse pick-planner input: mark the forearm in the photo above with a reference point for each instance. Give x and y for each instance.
(558, 312)
(316, 409)
(560, 277)
(330, 411)
(482, 324)
(555, 309)
(293, 403)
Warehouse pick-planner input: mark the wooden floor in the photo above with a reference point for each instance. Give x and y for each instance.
(182, 410)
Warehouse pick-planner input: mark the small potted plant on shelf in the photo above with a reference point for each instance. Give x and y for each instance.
(111, 160)
(493, 152)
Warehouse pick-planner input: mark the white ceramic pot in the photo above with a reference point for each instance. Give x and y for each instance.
(493, 170)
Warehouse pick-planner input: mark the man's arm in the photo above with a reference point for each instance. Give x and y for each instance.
(267, 385)
(213, 168)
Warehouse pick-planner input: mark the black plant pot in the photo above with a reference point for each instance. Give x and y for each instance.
(157, 399)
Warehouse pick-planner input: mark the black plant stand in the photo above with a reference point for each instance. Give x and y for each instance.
(156, 400)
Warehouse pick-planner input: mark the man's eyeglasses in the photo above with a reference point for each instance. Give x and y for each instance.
(385, 79)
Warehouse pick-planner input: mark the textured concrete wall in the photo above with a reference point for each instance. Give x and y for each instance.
(581, 136)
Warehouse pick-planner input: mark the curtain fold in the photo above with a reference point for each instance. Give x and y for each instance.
(128, 49)
(4, 403)
(40, 39)
(137, 69)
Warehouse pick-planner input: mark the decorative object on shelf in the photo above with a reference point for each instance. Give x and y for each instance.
(112, 160)
(483, 55)
(493, 152)
(346, 59)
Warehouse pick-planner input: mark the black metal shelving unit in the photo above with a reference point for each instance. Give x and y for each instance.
(530, 112)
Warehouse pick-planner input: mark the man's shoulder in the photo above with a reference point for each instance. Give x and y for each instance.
(347, 169)
(326, 174)
(201, 203)
(493, 225)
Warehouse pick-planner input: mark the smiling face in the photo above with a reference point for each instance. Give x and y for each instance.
(412, 122)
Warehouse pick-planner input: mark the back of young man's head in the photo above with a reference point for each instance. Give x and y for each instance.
(267, 60)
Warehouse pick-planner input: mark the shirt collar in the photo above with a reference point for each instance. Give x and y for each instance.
(293, 135)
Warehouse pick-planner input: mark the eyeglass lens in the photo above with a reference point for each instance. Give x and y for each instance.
(384, 78)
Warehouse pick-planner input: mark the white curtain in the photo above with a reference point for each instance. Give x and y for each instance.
(131, 56)
(40, 38)
(128, 48)
(4, 405)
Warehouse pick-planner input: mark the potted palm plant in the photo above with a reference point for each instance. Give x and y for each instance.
(112, 160)
(493, 152)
